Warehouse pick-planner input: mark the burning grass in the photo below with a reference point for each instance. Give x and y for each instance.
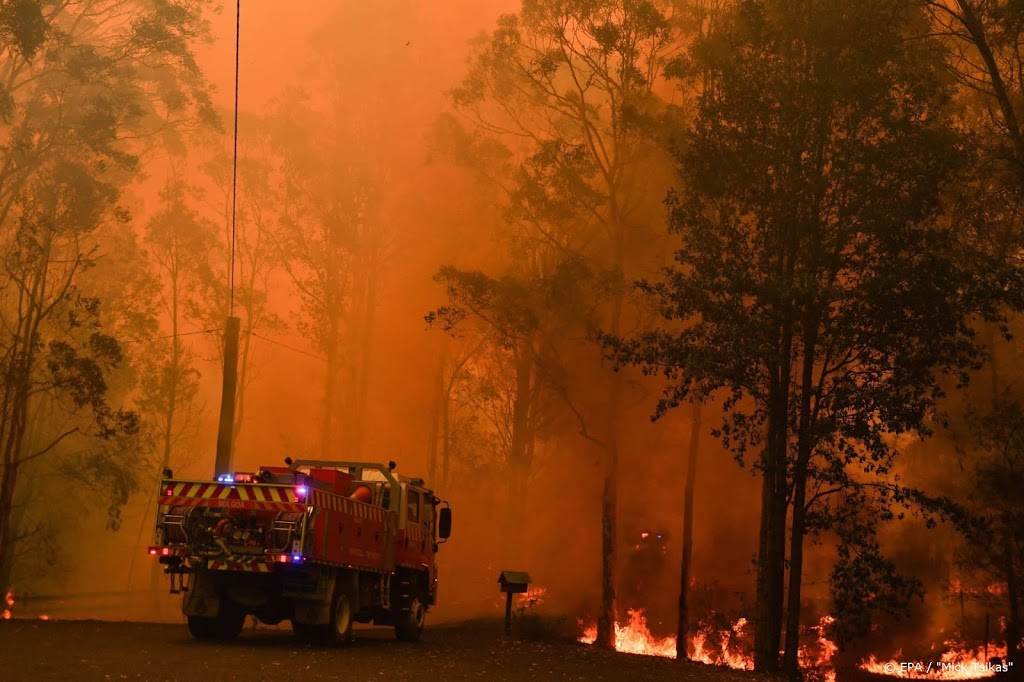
(957, 662)
(729, 647)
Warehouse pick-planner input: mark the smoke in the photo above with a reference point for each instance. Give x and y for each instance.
(397, 58)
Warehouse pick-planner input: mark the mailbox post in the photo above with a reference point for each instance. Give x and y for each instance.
(512, 582)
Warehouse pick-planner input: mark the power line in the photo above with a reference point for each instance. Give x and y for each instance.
(234, 160)
(291, 348)
(169, 336)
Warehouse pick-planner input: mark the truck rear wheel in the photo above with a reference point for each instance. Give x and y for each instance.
(338, 631)
(342, 620)
(409, 623)
(225, 626)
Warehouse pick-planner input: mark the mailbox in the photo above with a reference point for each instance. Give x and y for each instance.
(515, 582)
(512, 582)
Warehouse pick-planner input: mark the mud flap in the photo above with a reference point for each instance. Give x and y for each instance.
(316, 609)
(202, 598)
(348, 584)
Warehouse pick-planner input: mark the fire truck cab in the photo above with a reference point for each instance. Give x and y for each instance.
(324, 544)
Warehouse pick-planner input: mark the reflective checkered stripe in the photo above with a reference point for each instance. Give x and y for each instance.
(252, 567)
(337, 503)
(277, 498)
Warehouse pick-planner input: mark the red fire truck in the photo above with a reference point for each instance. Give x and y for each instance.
(321, 543)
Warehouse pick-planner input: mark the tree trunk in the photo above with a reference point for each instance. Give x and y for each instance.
(365, 354)
(440, 397)
(609, 508)
(172, 398)
(7, 484)
(446, 435)
(683, 626)
(327, 433)
(522, 434)
(771, 559)
(770, 574)
(1013, 622)
(606, 617)
(805, 446)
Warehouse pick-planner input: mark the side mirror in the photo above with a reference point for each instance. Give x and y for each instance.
(444, 523)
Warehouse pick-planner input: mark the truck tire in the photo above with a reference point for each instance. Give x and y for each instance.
(223, 627)
(338, 631)
(342, 619)
(409, 622)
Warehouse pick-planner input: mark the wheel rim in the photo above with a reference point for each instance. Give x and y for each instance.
(342, 617)
(419, 614)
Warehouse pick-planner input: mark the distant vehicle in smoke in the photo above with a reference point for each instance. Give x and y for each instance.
(321, 543)
(646, 577)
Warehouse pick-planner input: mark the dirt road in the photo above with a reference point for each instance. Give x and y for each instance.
(92, 650)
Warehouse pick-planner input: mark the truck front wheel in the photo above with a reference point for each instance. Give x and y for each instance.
(409, 623)
(225, 626)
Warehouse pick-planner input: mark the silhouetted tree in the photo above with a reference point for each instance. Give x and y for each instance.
(995, 471)
(570, 86)
(812, 266)
(517, 374)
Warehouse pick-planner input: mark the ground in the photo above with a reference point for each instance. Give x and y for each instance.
(92, 650)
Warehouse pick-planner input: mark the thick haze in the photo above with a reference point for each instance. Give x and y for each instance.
(379, 102)
(403, 58)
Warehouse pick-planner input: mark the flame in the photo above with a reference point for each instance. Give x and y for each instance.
(635, 638)
(957, 588)
(958, 662)
(526, 600)
(819, 656)
(535, 595)
(8, 605)
(713, 647)
(705, 653)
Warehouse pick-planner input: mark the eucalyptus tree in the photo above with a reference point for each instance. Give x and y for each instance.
(85, 87)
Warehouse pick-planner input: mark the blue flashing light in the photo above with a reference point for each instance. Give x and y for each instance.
(301, 491)
(296, 558)
(225, 478)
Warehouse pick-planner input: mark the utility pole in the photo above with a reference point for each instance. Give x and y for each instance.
(227, 401)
